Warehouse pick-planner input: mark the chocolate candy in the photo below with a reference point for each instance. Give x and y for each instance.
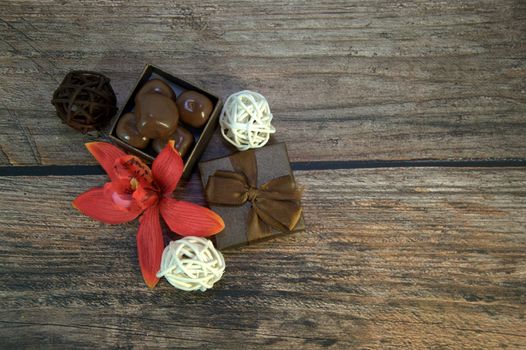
(195, 108)
(183, 141)
(127, 132)
(156, 86)
(157, 115)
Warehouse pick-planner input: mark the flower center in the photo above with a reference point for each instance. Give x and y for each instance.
(134, 183)
(122, 199)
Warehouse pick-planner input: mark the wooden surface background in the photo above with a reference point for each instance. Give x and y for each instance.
(393, 257)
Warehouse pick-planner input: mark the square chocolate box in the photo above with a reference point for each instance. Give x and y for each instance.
(198, 136)
(249, 190)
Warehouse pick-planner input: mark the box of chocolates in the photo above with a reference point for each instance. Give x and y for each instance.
(163, 107)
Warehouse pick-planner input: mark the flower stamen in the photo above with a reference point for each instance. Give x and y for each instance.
(134, 183)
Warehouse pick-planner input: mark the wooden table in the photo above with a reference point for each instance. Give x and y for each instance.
(405, 123)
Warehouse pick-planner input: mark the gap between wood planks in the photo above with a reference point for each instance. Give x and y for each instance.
(76, 170)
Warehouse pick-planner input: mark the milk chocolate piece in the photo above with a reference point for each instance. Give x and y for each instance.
(157, 115)
(183, 141)
(127, 132)
(156, 86)
(195, 108)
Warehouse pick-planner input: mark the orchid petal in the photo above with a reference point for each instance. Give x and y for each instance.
(189, 219)
(96, 204)
(167, 168)
(106, 154)
(150, 246)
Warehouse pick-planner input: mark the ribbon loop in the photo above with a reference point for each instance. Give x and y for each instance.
(274, 204)
(226, 188)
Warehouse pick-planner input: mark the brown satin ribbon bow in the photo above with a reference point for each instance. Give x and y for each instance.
(275, 204)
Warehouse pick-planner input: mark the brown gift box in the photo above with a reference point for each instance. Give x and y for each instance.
(201, 135)
(272, 162)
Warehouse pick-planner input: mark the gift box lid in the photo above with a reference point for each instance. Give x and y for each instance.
(272, 162)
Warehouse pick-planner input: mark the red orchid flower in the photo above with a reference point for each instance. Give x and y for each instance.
(135, 189)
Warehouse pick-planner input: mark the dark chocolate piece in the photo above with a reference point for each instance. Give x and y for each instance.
(183, 141)
(157, 115)
(194, 108)
(127, 132)
(85, 100)
(156, 86)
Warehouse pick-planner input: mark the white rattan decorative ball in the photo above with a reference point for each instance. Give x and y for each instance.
(245, 120)
(192, 263)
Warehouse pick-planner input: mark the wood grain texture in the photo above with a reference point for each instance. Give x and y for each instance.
(392, 258)
(345, 79)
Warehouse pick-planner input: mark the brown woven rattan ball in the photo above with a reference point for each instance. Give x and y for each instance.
(85, 100)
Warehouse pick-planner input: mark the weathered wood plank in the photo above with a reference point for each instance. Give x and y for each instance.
(345, 79)
(392, 258)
